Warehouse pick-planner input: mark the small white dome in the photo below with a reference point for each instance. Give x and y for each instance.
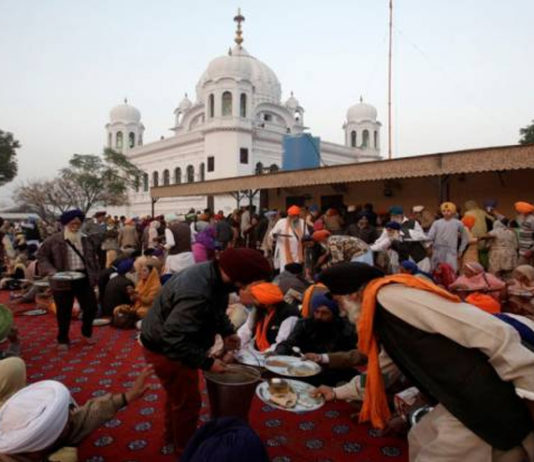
(125, 113)
(361, 111)
(292, 102)
(185, 104)
(239, 65)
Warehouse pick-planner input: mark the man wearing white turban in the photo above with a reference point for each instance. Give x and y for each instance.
(38, 419)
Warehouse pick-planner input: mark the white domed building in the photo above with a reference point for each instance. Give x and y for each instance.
(235, 127)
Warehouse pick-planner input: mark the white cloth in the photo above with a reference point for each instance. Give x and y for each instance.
(34, 417)
(178, 262)
(246, 331)
(280, 232)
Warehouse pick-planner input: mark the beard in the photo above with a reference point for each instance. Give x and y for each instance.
(74, 237)
(352, 309)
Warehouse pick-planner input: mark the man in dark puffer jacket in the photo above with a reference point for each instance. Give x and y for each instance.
(180, 329)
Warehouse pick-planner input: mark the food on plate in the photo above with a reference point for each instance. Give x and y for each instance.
(282, 394)
(301, 370)
(276, 363)
(309, 401)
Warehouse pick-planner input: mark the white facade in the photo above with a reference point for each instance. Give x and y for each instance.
(235, 127)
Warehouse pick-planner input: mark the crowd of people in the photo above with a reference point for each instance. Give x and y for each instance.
(424, 317)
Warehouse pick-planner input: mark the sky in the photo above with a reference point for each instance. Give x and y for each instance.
(462, 69)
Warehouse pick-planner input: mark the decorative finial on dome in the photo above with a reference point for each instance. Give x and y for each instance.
(186, 95)
(239, 33)
(291, 94)
(361, 99)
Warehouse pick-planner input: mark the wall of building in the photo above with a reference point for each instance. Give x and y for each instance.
(507, 187)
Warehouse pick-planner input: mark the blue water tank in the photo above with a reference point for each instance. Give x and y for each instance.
(301, 151)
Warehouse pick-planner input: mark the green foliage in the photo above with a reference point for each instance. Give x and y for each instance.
(527, 134)
(100, 180)
(8, 161)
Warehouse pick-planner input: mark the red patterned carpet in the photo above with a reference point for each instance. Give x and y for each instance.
(135, 434)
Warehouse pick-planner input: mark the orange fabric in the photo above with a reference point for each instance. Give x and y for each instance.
(485, 302)
(524, 207)
(375, 407)
(261, 331)
(267, 293)
(308, 294)
(321, 235)
(147, 291)
(293, 211)
(468, 221)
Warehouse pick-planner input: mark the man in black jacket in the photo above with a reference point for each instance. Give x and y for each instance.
(180, 329)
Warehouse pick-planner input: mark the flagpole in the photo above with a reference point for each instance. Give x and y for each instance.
(390, 141)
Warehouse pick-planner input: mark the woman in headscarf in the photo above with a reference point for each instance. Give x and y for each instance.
(475, 279)
(471, 251)
(444, 275)
(521, 290)
(503, 248)
(271, 321)
(146, 289)
(204, 246)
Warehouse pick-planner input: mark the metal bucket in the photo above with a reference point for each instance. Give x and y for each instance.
(231, 392)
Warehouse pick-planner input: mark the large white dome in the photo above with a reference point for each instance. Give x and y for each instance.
(361, 111)
(239, 66)
(125, 113)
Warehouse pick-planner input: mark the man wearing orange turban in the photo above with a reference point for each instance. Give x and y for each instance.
(444, 236)
(271, 321)
(526, 232)
(287, 234)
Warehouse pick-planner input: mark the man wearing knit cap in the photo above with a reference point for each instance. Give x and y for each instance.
(181, 326)
(471, 366)
(444, 235)
(287, 234)
(71, 250)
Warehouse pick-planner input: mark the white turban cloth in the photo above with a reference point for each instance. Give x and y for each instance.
(34, 417)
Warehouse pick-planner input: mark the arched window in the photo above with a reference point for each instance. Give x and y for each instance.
(110, 136)
(376, 139)
(243, 105)
(365, 139)
(211, 106)
(136, 183)
(259, 168)
(145, 182)
(273, 168)
(155, 179)
(140, 140)
(227, 103)
(353, 138)
(131, 139)
(202, 171)
(166, 177)
(118, 140)
(190, 174)
(177, 175)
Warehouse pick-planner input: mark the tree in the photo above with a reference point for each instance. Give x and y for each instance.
(47, 199)
(8, 161)
(88, 181)
(527, 134)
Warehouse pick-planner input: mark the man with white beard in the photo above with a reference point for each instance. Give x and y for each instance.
(70, 250)
(353, 390)
(470, 365)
